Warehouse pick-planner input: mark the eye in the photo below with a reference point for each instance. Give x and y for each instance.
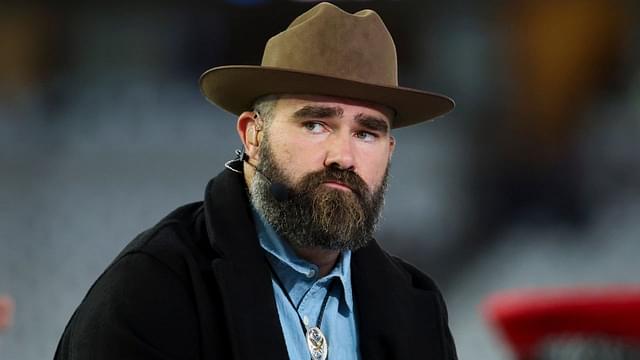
(366, 136)
(314, 127)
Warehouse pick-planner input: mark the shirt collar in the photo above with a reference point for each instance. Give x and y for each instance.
(289, 262)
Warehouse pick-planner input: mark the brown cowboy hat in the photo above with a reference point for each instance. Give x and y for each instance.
(326, 51)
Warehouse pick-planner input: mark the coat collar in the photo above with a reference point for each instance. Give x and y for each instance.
(242, 272)
(395, 320)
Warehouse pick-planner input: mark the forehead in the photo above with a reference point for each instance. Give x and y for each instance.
(288, 104)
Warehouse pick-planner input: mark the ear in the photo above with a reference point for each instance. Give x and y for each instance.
(392, 145)
(248, 130)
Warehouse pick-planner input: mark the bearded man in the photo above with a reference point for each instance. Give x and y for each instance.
(279, 260)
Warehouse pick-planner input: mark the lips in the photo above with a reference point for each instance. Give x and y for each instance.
(343, 180)
(342, 186)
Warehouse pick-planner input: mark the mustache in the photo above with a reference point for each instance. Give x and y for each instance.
(333, 174)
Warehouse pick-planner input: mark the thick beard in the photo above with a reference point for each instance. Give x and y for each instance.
(315, 215)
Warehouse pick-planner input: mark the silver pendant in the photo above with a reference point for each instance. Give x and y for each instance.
(317, 344)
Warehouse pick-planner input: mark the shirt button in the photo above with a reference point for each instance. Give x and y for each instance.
(311, 273)
(305, 320)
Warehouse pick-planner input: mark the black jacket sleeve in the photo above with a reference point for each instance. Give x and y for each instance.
(138, 309)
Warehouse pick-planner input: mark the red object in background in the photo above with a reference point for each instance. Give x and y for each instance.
(6, 312)
(527, 318)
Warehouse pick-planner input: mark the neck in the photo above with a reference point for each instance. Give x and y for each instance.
(324, 259)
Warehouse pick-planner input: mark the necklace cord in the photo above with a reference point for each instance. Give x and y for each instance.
(286, 294)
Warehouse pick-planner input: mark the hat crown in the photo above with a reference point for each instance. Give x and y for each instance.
(326, 51)
(328, 41)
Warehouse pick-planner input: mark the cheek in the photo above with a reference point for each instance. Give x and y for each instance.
(295, 157)
(373, 168)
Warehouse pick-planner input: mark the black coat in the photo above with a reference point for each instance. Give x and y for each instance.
(197, 286)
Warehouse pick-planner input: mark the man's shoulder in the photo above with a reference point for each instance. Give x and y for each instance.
(177, 236)
(381, 264)
(415, 276)
(403, 269)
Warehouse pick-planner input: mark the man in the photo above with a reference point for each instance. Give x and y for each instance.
(278, 261)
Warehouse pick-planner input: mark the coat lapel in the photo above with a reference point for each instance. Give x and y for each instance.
(395, 319)
(242, 272)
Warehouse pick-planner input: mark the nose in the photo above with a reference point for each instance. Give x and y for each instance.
(340, 153)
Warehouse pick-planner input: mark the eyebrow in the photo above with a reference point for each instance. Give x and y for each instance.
(369, 122)
(373, 123)
(321, 112)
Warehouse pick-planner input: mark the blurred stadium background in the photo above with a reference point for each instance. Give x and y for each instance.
(533, 181)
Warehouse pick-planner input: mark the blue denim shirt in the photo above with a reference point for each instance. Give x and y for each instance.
(307, 291)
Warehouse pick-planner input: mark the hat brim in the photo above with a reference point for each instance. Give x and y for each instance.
(234, 88)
